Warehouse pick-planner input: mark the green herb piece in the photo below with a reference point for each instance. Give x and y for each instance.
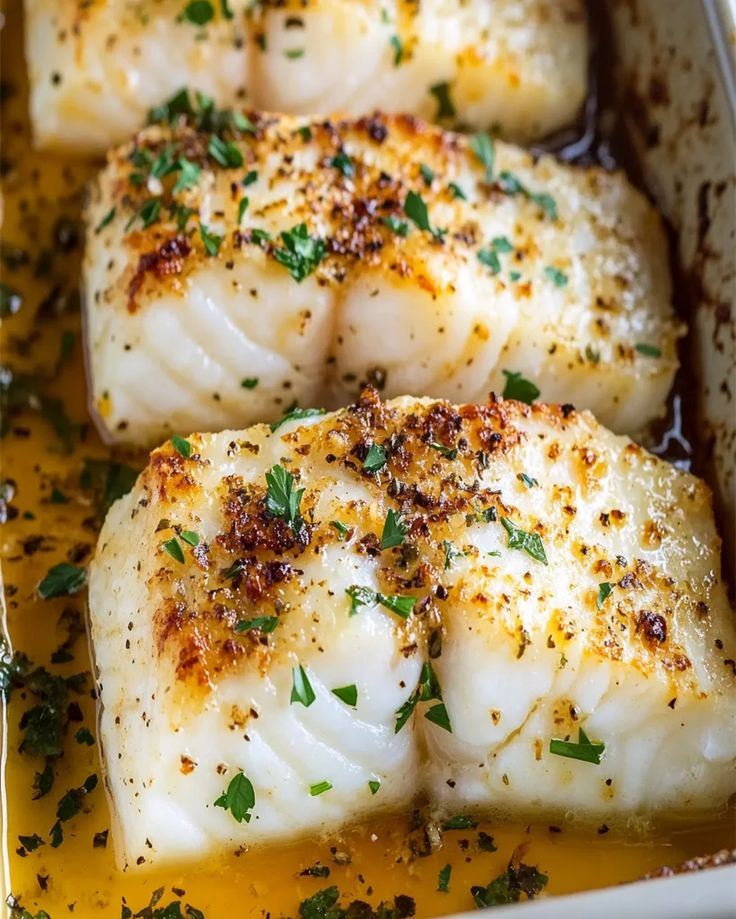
(225, 152)
(457, 192)
(437, 714)
(319, 788)
(347, 694)
(149, 213)
(375, 458)
(360, 596)
(297, 414)
(188, 177)
(584, 750)
(486, 843)
(31, 843)
(239, 798)
(490, 259)
(394, 530)
(451, 554)
(445, 107)
(416, 210)
(70, 804)
(514, 276)
(517, 387)
(482, 146)
(174, 549)
(340, 527)
(182, 446)
(242, 208)
(509, 886)
(301, 690)
(225, 9)
(605, 589)
(57, 835)
(250, 178)
(190, 537)
(511, 185)
(558, 278)
(282, 500)
(305, 132)
(316, 871)
(265, 624)
(443, 880)
(342, 162)
(398, 227)
(108, 481)
(648, 350)
(181, 215)
(531, 543)
(404, 712)
(302, 253)
(460, 822)
(241, 123)
(293, 54)
(249, 382)
(374, 785)
(62, 580)
(528, 480)
(211, 241)
(106, 220)
(398, 47)
(198, 12)
(447, 452)
(593, 355)
(84, 736)
(426, 173)
(402, 606)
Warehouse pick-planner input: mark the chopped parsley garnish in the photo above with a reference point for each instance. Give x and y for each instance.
(249, 382)
(398, 47)
(592, 354)
(302, 252)
(531, 543)
(211, 241)
(502, 244)
(188, 175)
(242, 208)
(482, 146)
(190, 537)
(293, 54)
(182, 446)
(347, 694)
(518, 387)
(301, 690)
(375, 458)
(509, 886)
(605, 589)
(445, 107)
(250, 177)
(416, 210)
(437, 714)
(149, 213)
(239, 799)
(69, 806)
(427, 690)
(342, 162)
(460, 822)
(447, 452)
(397, 226)
(490, 259)
(364, 596)
(340, 527)
(108, 481)
(584, 750)
(62, 580)
(648, 350)
(198, 12)
(426, 173)
(451, 554)
(174, 549)
(443, 879)
(84, 736)
(281, 498)
(457, 192)
(316, 871)
(394, 530)
(514, 276)
(106, 220)
(374, 785)
(296, 414)
(319, 788)
(558, 277)
(486, 843)
(511, 185)
(528, 480)
(30, 843)
(265, 624)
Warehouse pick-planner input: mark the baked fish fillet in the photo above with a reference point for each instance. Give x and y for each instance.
(285, 260)
(504, 607)
(97, 67)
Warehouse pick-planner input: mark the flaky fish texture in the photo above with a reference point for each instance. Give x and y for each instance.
(228, 275)
(98, 66)
(504, 608)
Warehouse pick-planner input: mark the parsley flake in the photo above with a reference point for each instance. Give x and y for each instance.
(265, 624)
(249, 382)
(198, 12)
(416, 210)
(182, 446)
(174, 549)
(301, 690)
(443, 880)
(296, 414)
(342, 162)
(445, 107)
(584, 750)
(338, 525)
(399, 227)
(319, 788)
(374, 785)
(347, 694)
(648, 350)
(518, 387)
(482, 146)
(457, 192)
(62, 580)
(528, 480)
(394, 531)
(211, 241)
(398, 47)
(558, 277)
(447, 452)
(239, 798)
(605, 589)
(531, 543)
(375, 459)
(84, 736)
(281, 498)
(106, 220)
(302, 253)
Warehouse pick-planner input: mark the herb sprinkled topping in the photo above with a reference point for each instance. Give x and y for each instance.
(482, 147)
(347, 694)
(282, 500)
(584, 750)
(319, 788)
(239, 798)
(295, 414)
(518, 387)
(394, 530)
(301, 690)
(531, 543)
(62, 580)
(445, 107)
(375, 459)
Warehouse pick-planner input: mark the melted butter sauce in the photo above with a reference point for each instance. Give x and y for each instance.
(42, 197)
